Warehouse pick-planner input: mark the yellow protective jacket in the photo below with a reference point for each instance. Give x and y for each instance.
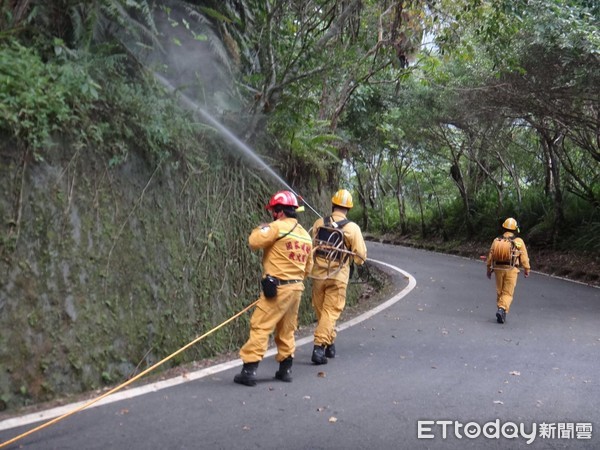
(522, 258)
(354, 241)
(286, 257)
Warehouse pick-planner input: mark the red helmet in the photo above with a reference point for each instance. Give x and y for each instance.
(285, 198)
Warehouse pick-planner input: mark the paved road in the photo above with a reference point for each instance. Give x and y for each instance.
(436, 354)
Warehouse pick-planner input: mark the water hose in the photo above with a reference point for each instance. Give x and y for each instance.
(127, 383)
(334, 263)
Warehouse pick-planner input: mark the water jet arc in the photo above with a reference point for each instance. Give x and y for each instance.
(248, 152)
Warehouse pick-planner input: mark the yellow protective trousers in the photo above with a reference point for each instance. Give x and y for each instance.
(506, 280)
(328, 299)
(279, 314)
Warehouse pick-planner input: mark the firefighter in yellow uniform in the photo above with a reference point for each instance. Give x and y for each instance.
(329, 281)
(506, 266)
(286, 262)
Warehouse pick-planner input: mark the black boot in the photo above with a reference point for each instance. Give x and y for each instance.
(330, 351)
(285, 370)
(248, 374)
(501, 315)
(318, 355)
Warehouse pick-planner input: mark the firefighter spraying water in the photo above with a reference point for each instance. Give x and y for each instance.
(286, 263)
(283, 206)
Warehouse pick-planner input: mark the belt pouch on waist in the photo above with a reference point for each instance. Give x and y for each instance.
(269, 286)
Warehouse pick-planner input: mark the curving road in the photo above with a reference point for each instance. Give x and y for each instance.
(432, 361)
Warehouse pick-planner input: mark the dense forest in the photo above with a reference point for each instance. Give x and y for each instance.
(141, 140)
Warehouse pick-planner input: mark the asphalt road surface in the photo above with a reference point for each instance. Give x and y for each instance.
(430, 369)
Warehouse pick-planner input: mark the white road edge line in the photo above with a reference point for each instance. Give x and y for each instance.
(154, 387)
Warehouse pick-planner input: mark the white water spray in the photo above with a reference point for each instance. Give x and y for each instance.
(229, 135)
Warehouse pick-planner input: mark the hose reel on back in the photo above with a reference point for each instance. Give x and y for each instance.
(331, 254)
(505, 253)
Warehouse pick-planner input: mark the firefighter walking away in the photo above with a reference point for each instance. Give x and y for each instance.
(506, 256)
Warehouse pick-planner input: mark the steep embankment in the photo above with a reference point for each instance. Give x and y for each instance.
(105, 270)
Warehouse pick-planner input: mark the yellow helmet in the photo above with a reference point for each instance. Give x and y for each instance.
(342, 198)
(510, 224)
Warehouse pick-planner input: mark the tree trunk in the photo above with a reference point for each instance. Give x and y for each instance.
(362, 199)
(462, 189)
(420, 201)
(550, 147)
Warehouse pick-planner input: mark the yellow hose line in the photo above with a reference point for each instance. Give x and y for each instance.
(127, 383)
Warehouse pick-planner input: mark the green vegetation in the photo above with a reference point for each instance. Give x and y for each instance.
(40, 100)
(125, 215)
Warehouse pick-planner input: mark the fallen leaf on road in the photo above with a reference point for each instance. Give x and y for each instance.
(322, 374)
